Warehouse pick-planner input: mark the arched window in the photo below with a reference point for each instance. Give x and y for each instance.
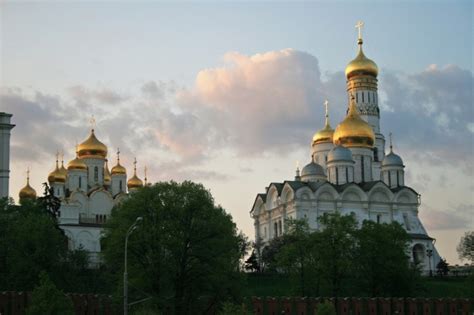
(96, 174)
(337, 176)
(362, 168)
(398, 178)
(80, 182)
(418, 253)
(120, 185)
(280, 227)
(347, 174)
(389, 179)
(275, 228)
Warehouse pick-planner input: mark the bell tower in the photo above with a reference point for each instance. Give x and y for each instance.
(5, 127)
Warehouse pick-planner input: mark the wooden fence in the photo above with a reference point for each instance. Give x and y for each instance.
(15, 303)
(363, 306)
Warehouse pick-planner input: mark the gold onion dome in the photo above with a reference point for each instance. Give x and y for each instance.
(57, 175)
(361, 64)
(27, 192)
(353, 131)
(325, 134)
(63, 170)
(118, 169)
(134, 182)
(92, 148)
(77, 164)
(107, 177)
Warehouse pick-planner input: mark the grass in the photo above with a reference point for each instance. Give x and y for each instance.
(276, 285)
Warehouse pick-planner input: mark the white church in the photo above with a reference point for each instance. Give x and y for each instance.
(88, 191)
(349, 172)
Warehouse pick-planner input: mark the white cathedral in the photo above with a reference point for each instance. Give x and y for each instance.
(88, 191)
(349, 173)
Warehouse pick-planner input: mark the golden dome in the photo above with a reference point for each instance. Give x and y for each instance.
(77, 164)
(27, 192)
(361, 64)
(63, 170)
(134, 182)
(107, 178)
(118, 169)
(325, 134)
(57, 175)
(353, 131)
(92, 148)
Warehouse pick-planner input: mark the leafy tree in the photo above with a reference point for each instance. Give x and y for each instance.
(442, 268)
(336, 248)
(299, 257)
(47, 299)
(382, 265)
(326, 308)
(466, 247)
(185, 253)
(269, 253)
(251, 264)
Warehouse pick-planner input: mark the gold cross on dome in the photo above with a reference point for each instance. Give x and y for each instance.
(326, 104)
(92, 122)
(390, 136)
(28, 173)
(359, 26)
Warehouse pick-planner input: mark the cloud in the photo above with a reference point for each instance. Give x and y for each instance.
(458, 218)
(101, 95)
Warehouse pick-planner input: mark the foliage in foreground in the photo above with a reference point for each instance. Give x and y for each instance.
(185, 253)
(465, 247)
(326, 308)
(370, 259)
(47, 299)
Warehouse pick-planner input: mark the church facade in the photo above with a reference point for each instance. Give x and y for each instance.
(88, 191)
(349, 172)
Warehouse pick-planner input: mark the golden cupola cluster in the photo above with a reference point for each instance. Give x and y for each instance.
(361, 65)
(134, 182)
(325, 134)
(353, 131)
(27, 192)
(59, 174)
(92, 148)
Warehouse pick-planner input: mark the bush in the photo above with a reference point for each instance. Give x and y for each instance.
(326, 309)
(48, 300)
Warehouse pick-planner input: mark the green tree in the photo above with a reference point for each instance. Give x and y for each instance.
(466, 247)
(382, 265)
(186, 252)
(336, 248)
(299, 258)
(47, 299)
(251, 264)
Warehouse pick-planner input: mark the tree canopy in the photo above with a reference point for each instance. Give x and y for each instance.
(186, 252)
(466, 247)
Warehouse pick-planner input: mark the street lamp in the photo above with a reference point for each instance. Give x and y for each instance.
(429, 253)
(132, 228)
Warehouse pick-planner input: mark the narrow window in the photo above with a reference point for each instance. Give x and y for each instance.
(280, 226)
(326, 158)
(376, 154)
(357, 97)
(368, 96)
(379, 216)
(337, 176)
(80, 182)
(275, 227)
(389, 179)
(265, 232)
(362, 168)
(96, 174)
(398, 178)
(347, 174)
(362, 97)
(120, 185)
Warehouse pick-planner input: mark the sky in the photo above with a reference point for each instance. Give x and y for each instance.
(229, 94)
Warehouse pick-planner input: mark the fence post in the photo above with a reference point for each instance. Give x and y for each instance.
(399, 306)
(453, 307)
(465, 306)
(426, 307)
(412, 307)
(272, 304)
(257, 305)
(301, 306)
(343, 306)
(287, 305)
(372, 306)
(314, 304)
(385, 303)
(357, 306)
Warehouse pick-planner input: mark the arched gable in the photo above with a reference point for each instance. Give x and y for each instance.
(304, 193)
(287, 194)
(86, 240)
(380, 193)
(353, 193)
(326, 192)
(101, 202)
(258, 205)
(406, 195)
(272, 197)
(79, 197)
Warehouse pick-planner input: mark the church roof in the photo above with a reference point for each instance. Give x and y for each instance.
(417, 236)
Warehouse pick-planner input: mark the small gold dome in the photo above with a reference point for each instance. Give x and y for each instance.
(325, 134)
(77, 164)
(118, 169)
(361, 65)
(134, 182)
(353, 131)
(92, 148)
(27, 192)
(57, 176)
(63, 170)
(107, 177)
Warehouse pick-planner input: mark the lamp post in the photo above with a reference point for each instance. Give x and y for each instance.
(132, 228)
(429, 253)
